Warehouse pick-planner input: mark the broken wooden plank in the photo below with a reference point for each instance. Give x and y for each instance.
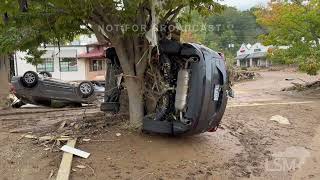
(75, 151)
(66, 162)
(22, 130)
(48, 138)
(62, 125)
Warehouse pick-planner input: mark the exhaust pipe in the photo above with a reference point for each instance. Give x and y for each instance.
(182, 89)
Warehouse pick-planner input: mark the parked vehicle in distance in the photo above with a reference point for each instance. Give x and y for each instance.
(42, 89)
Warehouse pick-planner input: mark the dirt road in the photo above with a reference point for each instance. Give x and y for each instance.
(248, 144)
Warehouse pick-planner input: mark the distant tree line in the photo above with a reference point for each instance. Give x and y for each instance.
(226, 31)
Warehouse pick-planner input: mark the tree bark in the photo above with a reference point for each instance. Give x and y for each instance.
(4, 79)
(130, 50)
(133, 81)
(136, 101)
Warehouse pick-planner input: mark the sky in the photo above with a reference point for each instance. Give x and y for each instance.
(244, 4)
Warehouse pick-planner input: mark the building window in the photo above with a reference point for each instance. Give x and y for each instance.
(97, 65)
(47, 65)
(68, 64)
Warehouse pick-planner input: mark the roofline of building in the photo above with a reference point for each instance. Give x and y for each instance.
(51, 46)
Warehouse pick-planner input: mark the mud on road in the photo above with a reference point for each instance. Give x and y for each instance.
(247, 145)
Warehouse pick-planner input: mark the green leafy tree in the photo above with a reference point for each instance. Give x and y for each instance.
(296, 25)
(29, 23)
(233, 27)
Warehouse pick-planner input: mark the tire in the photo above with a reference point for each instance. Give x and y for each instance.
(45, 74)
(85, 89)
(30, 79)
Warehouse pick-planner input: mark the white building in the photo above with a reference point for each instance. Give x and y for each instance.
(80, 60)
(253, 56)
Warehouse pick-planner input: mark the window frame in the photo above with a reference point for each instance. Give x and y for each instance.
(45, 67)
(101, 65)
(68, 67)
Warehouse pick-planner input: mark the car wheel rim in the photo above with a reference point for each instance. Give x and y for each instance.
(85, 88)
(29, 78)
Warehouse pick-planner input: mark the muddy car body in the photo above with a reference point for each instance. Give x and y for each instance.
(42, 90)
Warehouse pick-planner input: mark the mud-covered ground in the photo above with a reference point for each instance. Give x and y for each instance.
(248, 144)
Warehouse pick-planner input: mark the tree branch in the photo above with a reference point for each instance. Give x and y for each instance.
(174, 12)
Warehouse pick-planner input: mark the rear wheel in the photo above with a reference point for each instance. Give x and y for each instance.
(30, 79)
(85, 89)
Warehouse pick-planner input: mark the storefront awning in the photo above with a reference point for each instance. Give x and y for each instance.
(257, 55)
(243, 56)
(94, 53)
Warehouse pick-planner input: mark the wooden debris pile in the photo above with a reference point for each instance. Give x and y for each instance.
(91, 125)
(67, 143)
(242, 75)
(302, 87)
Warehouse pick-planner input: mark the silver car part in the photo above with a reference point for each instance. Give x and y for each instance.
(182, 89)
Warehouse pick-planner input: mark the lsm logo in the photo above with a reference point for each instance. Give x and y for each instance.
(291, 159)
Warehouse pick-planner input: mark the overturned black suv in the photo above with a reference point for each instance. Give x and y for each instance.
(194, 90)
(198, 97)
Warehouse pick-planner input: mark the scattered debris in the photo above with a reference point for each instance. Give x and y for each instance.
(66, 162)
(75, 151)
(302, 87)
(92, 140)
(289, 79)
(81, 166)
(62, 125)
(22, 130)
(280, 119)
(87, 165)
(48, 138)
(241, 75)
(51, 174)
(118, 134)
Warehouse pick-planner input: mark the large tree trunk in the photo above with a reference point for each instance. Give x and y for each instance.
(129, 54)
(130, 50)
(133, 74)
(4, 79)
(136, 101)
